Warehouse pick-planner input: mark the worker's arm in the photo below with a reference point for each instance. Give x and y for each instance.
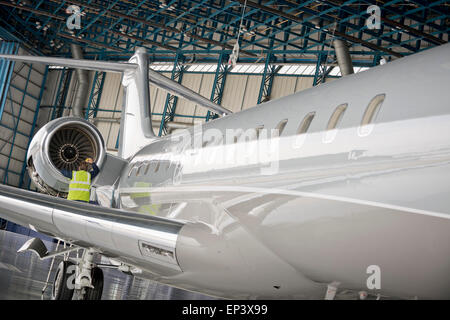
(94, 171)
(66, 173)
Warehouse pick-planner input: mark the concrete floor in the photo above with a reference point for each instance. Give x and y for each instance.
(23, 276)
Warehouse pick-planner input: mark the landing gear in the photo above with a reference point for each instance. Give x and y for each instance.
(332, 289)
(63, 285)
(78, 282)
(82, 280)
(89, 279)
(97, 281)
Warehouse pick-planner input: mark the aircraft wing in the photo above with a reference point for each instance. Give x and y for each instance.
(140, 240)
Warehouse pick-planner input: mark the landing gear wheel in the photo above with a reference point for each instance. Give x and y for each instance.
(60, 290)
(97, 281)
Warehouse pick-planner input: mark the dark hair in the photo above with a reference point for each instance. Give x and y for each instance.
(83, 166)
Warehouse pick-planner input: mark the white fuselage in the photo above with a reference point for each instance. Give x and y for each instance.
(283, 217)
(353, 192)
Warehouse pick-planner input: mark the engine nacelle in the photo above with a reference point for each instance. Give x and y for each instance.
(62, 144)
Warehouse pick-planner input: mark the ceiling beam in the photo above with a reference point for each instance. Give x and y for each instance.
(114, 14)
(336, 33)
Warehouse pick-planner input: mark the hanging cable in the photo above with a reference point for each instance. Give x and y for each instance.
(235, 53)
(242, 20)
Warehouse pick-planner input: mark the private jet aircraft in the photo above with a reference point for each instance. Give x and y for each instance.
(344, 186)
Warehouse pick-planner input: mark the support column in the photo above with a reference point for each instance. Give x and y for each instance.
(171, 100)
(35, 118)
(219, 84)
(322, 69)
(61, 93)
(96, 95)
(5, 178)
(6, 69)
(267, 80)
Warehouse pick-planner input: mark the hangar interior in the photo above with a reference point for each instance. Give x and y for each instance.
(284, 47)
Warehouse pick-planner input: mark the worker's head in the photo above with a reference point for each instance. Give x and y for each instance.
(83, 166)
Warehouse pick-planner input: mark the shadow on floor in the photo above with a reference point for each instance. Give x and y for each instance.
(23, 276)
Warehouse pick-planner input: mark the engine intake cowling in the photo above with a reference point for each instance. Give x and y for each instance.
(62, 144)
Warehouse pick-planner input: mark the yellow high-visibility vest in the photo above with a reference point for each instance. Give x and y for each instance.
(143, 199)
(80, 186)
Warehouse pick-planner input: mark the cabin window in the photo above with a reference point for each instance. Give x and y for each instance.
(281, 125)
(334, 121)
(336, 117)
(372, 109)
(370, 115)
(304, 126)
(147, 166)
(139, 170)
(210, 142)
(258, 130)
(236, 137)
(133, 170)
(219, 141)
(157, 166)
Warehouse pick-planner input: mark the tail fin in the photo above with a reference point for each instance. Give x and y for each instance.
(136, 125)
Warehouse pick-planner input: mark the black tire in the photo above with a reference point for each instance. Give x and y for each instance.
(61, 290)
(97, 281)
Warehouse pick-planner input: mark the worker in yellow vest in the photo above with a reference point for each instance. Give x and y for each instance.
(80, 183)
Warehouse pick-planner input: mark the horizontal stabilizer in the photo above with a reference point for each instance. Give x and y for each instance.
(179, 90)
(154, 77)
(74, 63)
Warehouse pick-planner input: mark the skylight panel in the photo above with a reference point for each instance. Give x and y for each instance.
(212, 68)
(335, 71)
(284, 69)
(310, 70)
(236, 68)
(259, 69)
(301, 69)
(244, 68)
(252, 69)
(292, 69)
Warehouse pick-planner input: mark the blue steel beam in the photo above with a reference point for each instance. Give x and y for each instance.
(218, 84)
(171, 100)
(35, 117)
(97, 17)
(61, 93)
(95, 95)
(270, 71)
(190, 14)
(5, 178)
(247, 15)
(321, 66)
(130, 11)
(6, 69)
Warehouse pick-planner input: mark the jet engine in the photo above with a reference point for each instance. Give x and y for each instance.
(62, 144)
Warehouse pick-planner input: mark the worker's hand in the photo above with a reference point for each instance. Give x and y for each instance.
(89, 160)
